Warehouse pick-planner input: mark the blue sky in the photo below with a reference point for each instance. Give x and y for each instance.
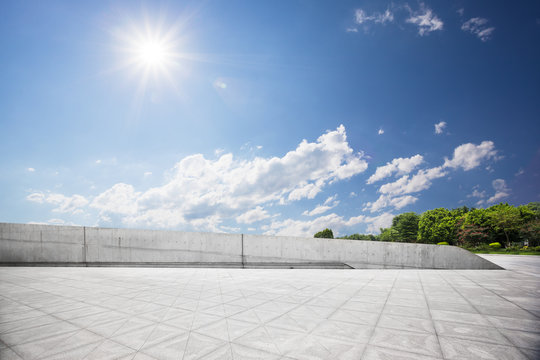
(277, 117)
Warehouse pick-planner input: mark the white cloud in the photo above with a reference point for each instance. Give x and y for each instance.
(218, 151)
(439, 128)
(520, 172)
(501, 191)
(319, 209)
(380, 132)
(66, 204)
(468, 156)
(398, 166)
(147, 173)
(333, 221)
(37, 197)
(202, 193)
(375, 223)
(71, 204)
(361, 17)
(477, 194)
(330, 199)
(98, 161)
(418, 182)
(395, 194)
(30, 169)
(354, 30)
(425, 19)
(253, 215)
(56, 222)
(329, 204)
(388, 200)
(353, 194)
(478, 26)
(120, 199)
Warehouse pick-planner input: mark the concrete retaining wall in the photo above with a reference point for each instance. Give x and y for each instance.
(84, 246)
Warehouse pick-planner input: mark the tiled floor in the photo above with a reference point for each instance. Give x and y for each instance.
(164, 313)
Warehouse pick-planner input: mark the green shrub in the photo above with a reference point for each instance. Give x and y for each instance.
(442, 243)
(495, 245)
(326, 233)
(536, 248)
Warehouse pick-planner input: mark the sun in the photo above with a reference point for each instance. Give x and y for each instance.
(152, 53)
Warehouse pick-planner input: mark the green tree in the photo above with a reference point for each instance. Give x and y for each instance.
(437, 225)
(388, 234)
(535, 208)
(505, 218)
(359, 237)
(406, 225)
(531, 232)
(326, 233)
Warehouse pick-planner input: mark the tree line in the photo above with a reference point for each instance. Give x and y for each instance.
(467, 227)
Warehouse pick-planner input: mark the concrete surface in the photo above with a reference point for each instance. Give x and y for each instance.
(182, 313)
(527, 264)
(53, 245)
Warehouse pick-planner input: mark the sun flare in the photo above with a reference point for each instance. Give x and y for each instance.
(152, 53)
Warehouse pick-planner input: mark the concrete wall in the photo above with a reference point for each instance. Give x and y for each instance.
(72, 245)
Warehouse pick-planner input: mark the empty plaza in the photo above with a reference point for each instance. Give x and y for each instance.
(188, 313)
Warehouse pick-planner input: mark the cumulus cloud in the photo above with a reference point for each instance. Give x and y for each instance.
(30, 169)
(501, 191)
(65, 204)
(119, 199)
(203, 192)
(439, 128)
(396, 194)
(380, 132)
(478, 27)
(425, 19)
(477, 194)
(309, 227)
(252, 216)
(398, 166)
(329, 204)
(361, 17)
(412, 184)
(468, 156)
(389, 201)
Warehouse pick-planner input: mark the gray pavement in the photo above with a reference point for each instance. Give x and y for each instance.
(175, 313)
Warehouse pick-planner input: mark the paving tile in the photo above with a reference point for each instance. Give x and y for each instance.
(514, 324)
(258, 339)
(8, 354)
(344, 330)
(460, 349)
(470, 332)
(200, 345)
(523, 339)
(109, 350)
(316, 347)
(380, 353)
(406, 323)
(37, 333)
(415, 312)
(422, 343)
(241, 352)
(356, 317)
(170, 349)
(461, 317)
